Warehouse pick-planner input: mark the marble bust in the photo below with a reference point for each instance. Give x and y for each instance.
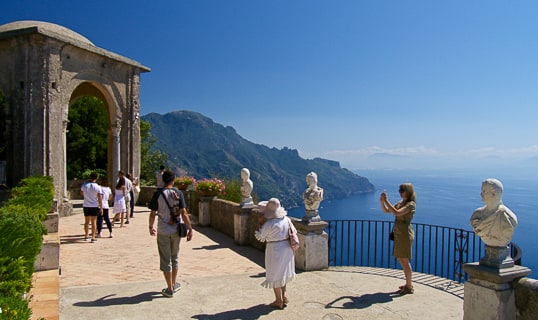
(313, 195)
(246, 188)
(494, 223)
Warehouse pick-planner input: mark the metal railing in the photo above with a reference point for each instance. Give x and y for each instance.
(437, 250)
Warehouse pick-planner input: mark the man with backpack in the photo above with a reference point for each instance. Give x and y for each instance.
(168, 205)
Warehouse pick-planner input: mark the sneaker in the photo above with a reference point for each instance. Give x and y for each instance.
(167, 293)
(177, 286)
(127, 222)
(111, 235)
(94, 240)
(87, 239)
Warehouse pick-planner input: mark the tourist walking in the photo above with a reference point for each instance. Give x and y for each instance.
(159, 177)
(119, 201)
(106, 198)
(92, 205)
(168, 240)
(128, 189)
(404, 235)
(273, 228)
(134, 184)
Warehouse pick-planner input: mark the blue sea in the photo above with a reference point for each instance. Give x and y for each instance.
(445, 198)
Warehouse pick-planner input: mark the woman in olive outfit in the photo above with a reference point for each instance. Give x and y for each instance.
(404, 235)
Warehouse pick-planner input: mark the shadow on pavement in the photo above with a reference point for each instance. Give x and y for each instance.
(362, 301)
(252, 313)
(116, 301)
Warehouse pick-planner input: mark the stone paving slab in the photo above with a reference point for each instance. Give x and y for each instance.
(118, 278)
(326, 295)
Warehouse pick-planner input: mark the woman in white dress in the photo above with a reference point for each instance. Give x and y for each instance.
(273, 226)
(120, 209)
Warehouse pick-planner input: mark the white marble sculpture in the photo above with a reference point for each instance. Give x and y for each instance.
(494, 223)
(312, 197)
(246, 189)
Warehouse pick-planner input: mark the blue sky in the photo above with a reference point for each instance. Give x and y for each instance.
(368, 83)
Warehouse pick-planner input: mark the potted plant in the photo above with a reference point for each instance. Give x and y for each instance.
(184, 182)
(210, 187)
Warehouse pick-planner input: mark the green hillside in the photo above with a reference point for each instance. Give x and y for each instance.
(197, 146)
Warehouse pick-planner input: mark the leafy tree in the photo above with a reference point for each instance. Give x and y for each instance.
(150, 159)
(87, 136)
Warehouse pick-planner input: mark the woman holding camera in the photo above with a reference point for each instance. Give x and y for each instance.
(404, 235)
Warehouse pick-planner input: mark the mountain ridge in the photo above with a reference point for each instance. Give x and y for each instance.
(198, 146)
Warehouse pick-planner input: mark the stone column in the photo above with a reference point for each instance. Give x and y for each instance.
(116, 151)
(204, 217)
(313, 252)
(241, 226)
(489, 293)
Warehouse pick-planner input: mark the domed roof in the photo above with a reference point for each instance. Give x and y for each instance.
(63, 31)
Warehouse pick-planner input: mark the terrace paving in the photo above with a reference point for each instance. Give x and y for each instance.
(118, 278)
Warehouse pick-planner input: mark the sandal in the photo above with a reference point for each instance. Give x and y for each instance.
(286, 301)
(277, 305)
(406, 290)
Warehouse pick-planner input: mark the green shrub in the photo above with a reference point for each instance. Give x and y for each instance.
(14, 308)
(14, 278)
(35, 194)
(21, 234)
(85, 175)
(233, 191)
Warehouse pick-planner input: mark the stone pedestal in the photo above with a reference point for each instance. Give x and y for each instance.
(247, 203)
(311, 216)
(241, 236)
(489, 292)
(204, 217)
(313, 245)
(497, 257)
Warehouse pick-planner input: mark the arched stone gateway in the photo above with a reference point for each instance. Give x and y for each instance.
(44, 69)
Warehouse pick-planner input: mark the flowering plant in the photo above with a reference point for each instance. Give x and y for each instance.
(210, 186)
(184, 182)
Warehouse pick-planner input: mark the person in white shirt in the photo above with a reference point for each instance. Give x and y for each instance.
(128, 188)
(92, 206)
(159, 177)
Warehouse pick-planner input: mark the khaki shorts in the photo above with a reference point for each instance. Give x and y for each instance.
(168, 246)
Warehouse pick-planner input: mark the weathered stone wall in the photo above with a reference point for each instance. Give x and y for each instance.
(526, 291)
(222, 219)
(222, 214)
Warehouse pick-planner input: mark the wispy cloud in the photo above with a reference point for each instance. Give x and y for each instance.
(420, 156)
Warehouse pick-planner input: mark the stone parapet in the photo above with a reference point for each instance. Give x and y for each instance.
(526, 292)
(489, 293)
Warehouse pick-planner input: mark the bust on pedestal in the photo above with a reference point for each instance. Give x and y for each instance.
(312, 197)
(246, 189)
(489, 292)
(313, 249)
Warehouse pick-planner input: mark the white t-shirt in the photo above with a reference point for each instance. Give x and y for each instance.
(90, 191)
(106, 194)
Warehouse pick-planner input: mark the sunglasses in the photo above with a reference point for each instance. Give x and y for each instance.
(401, 191)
